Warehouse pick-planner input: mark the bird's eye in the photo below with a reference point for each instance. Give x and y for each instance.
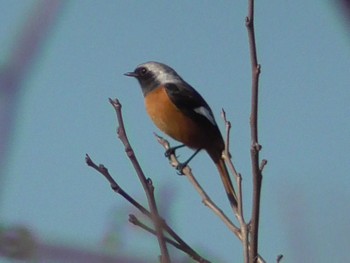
(143, 71)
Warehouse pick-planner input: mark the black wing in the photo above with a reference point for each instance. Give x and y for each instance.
(189, 101)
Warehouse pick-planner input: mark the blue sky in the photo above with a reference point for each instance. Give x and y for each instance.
(303, 47)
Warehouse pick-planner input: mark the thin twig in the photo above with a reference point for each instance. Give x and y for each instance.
(146, 183)
(115, 186)
(205, 197)
(228, 129)
(119, 190)
(262, 165)
(243, 224)
(228, 160)
(255, 147)
(134, 220)
(227, 155)
(240, 214)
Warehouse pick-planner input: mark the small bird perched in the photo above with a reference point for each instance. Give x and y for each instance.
(180, 111)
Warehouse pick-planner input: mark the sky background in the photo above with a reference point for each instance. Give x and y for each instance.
(63, 113)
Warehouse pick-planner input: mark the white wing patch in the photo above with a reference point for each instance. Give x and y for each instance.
(206, 113)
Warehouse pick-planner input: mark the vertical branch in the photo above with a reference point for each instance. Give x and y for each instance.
(255, 147)
(146, 184)
(239, 215)
(244, 233)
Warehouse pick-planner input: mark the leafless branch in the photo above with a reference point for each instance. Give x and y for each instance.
(146, 182)
(205, 197)
(134, 220)
(228, 130)
(119, 190)
(240, 214)
(255, 146)
(115, 186)
(180, 243)
(262, 165)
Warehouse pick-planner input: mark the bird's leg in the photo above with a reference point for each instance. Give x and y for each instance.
(172, 150)
(181, 166)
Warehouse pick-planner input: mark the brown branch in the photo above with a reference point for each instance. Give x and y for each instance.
(181, 244)
(134, 220)
(240, 217)
(238, 177)
(146, 182)
(240, 214)
(205, 197)
(262, 165)
(227, 155)
(255, 147)
(115, 186)
(228, 130)
(119, 190)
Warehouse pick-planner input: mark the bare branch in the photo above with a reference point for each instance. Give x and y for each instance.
(205, 197)
(238, 177)
(146, 183)
(181, 244)
(240, 213)
(255, 147)
(115, 186)
(262, 165)
(119, 190)
(134, 220)
(207, 200)
(233, 170)
(279, 258)
(228, 131)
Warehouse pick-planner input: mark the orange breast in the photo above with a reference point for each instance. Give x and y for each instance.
(169, 119)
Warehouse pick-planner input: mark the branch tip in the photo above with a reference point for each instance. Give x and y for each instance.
(162, 141)
(88, 160)
(262, 165)
(279, 258)
(133, 219)
(116, 103)
(223, 114)
(248, 21)
(258, 69)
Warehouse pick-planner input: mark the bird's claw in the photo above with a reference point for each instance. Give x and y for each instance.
(172, 150)
(169, 152)
(180, 167)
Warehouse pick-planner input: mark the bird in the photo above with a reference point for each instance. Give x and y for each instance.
(179, 111)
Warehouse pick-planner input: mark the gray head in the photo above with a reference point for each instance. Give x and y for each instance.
(153, 74)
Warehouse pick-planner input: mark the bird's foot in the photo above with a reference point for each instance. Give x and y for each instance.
(172, 150)
(180, 167)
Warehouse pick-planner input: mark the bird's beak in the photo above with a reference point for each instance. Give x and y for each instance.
(131, 74)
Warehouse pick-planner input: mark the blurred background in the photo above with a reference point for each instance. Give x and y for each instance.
(61, 60)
